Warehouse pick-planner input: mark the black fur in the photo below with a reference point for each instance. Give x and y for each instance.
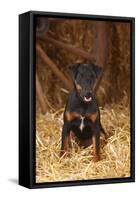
(82, 101)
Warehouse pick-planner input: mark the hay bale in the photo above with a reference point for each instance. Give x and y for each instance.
(115, 154)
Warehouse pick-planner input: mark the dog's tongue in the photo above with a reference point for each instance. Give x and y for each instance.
(87, 99)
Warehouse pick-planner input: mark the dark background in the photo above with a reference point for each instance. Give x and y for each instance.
(108, 45)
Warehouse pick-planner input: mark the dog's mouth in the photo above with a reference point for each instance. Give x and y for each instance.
(87, 99)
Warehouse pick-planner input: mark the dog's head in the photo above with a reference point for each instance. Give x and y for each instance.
(85, 77)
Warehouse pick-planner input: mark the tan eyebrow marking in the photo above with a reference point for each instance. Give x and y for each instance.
(71, 115)
(78, 86)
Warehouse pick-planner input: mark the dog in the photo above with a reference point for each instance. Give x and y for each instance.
(82, 115)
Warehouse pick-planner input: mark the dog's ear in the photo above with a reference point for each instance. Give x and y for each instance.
(74, 69)
(97, 70)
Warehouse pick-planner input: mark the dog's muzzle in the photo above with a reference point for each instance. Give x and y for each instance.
(87, 99)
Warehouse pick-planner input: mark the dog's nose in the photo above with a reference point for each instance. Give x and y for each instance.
(88, 95)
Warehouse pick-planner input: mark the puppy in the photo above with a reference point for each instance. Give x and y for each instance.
(82, 115)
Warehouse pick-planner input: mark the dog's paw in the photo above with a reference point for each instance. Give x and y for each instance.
(96, 158)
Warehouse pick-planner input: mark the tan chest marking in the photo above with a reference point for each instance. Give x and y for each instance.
(72, 115)
(92, 117)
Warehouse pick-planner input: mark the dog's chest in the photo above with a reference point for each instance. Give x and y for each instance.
(81, 126)
(81, 119)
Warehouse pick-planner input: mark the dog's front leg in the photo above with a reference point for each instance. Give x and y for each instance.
(65, 140)
(96, 147)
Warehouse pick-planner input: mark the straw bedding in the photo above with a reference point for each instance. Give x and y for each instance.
(115, 150)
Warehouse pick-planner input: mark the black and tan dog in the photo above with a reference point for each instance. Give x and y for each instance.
(82, 116)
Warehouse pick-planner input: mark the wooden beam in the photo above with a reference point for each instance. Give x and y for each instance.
(71, 48)
(40, 95)
(53, 67)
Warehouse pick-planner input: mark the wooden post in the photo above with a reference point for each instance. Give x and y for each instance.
(40, 95)
(101, 43)
(101, 48)
(53, 67)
